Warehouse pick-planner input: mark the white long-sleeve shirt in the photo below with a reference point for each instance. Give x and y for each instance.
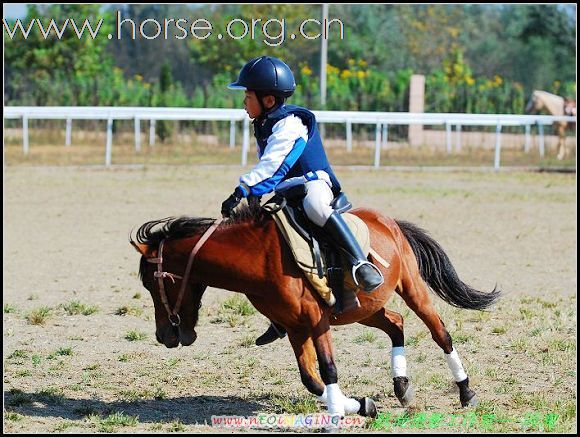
(284, 147)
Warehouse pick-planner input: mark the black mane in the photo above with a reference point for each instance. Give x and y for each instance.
(154, 231)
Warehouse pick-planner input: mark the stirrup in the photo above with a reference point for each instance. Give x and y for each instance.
(360, 264)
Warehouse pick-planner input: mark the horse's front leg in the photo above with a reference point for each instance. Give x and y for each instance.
(336, 402)
(561, 149)
(301, 342)
(561, 142)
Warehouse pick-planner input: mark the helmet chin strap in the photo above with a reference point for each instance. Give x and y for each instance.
(265, 110)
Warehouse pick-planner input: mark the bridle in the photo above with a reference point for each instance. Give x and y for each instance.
(160, 274)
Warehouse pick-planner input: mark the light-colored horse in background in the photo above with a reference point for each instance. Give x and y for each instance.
(555, 105)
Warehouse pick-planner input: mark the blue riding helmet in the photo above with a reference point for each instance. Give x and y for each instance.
(266, 74)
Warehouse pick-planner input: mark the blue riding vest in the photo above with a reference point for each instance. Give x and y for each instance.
(313, 157)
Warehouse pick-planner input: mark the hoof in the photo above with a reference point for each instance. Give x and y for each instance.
(407, 397)
(466, 395)
(471, 402)
(367, 407)
(403, 390)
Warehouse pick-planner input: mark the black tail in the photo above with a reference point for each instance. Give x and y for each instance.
(439, 274)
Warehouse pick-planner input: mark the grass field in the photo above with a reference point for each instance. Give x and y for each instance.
(80, 353)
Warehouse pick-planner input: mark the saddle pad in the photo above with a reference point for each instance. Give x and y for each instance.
(304, 255)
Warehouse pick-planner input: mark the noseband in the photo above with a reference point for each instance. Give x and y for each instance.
(160, 274)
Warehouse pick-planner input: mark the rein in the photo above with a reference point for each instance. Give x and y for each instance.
(160, 274)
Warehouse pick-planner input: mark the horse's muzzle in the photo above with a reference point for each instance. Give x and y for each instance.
(172, 336)
(187, 338)
(168, 337)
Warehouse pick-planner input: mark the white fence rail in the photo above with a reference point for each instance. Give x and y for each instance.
(382, 120)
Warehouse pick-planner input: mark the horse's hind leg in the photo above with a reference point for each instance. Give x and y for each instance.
(391, 323)
(415, 294)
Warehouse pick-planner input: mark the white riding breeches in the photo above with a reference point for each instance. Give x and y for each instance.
(317, 201)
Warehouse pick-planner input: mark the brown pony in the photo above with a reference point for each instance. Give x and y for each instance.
(246, 254)
(555, 105)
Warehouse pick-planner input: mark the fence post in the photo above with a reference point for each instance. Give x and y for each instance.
(448, 135)
(348, 136)
(458, 145)
(246, 141)
(137, 134)
(232, 134)
(68, 132)
(527, 143)
(385, 135)
(152, 132)
(416, 104)
(109, 146)
(497, 146)
(25, 135)
(378, 146)
(541, 135)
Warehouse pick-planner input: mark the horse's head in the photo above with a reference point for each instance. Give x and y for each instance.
(570, 107)
(165, 331)
(177, 300)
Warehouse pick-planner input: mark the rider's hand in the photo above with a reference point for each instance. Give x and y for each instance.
(231, 202)
(254, 201)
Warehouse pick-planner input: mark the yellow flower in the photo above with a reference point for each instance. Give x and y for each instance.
(345, 74)
(138, 77)
(498, 80)
(362, 63)
(469, 80)
(453, 31)
(458, 69)
(351, 62)
(306, 71)
(332, 70)
(361, 74)
(228, 67)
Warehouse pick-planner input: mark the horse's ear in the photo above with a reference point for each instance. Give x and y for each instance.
(145, 250)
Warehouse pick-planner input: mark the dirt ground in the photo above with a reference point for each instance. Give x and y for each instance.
(66, 247)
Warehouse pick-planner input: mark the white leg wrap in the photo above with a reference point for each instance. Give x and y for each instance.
(323, 396)
(349, 405)
(398, 362)
(335, 399)
(455, 365)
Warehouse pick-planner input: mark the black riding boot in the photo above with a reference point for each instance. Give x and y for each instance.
(273, 333)
(367, 275)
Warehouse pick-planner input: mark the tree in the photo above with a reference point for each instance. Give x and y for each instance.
(164, 129)
(230, 54)
(37, 67)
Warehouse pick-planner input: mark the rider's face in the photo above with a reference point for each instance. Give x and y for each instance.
(251, 104)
